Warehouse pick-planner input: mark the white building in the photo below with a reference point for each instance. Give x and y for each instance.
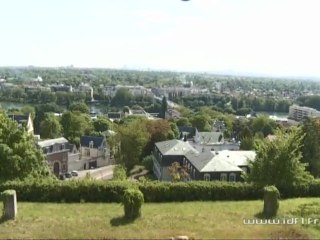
(299, 113)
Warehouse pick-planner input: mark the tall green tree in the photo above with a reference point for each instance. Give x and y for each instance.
(19, 158)
(102, 124)
(278, 162)
(311, 145)
(79, 107)
(133, 138)
(75, 124)
(50, 127)
(122, 98)
(164, 107)
(202, 122)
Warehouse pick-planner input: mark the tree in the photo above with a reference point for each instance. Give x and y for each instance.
(181, 122)
(164, 107)
(122, 98)
(50, 127)
(158, 131)
(19, 158)
(27, 109)
(263, 124)
(75, 124)
(102, 124)
(278, 162)
(40, 113)
(133, 138)
(311, 145)
(178, 172)
(79, 107)
(202, 122)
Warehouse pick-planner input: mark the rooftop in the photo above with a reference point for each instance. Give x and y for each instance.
(174, 147)
(50, 142)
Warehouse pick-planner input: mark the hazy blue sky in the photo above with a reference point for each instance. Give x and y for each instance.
(277, 37)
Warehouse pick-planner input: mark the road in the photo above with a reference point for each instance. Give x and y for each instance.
(103, 173)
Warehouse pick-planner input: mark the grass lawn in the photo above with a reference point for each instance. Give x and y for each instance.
(159, 220)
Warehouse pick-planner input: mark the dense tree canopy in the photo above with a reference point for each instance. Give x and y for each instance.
(50, 126)
(278, 162)
(311, 145)
(19, 157)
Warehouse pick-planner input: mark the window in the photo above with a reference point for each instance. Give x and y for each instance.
(87, 152)
(91, 144)
(194, 173)
(62, 146)
(232, 177)
(244, 169)
(207, 177)
(223, 177)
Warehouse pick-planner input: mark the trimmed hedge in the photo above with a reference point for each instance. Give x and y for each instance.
(132, 201)
(153, 191)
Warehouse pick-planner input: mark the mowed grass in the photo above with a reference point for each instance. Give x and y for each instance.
(159, 220)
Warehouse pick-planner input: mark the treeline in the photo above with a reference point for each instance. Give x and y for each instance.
(112, 191)
(310, 101)
(240, 105)
(122, 98)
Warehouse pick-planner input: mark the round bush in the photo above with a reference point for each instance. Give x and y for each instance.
(271, 201)
(132, 202)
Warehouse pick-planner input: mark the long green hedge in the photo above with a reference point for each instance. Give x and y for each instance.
(112, 191)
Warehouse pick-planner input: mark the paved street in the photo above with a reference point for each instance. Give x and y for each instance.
(103, 173)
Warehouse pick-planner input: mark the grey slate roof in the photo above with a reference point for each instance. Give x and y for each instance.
(238, 158)
(85, 141)
(174, 147)
(199, 160)
(222, 161)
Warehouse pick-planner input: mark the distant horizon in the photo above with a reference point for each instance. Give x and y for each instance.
(216, 73)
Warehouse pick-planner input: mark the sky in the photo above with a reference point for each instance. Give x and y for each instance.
(263, 37)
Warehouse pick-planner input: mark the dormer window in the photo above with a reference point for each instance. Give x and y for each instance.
(91, 144)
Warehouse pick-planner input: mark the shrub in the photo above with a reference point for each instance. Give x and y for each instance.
(90, 190)
(271, 201)
(119, 173)
(147, 162)
(132, 202)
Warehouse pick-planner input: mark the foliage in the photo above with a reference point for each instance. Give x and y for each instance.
(102, 124)
(122, 97)
(271, 201)
(311, 145)
(202, 122)
(44, 190)
(75, 125)
(247, 143)
(278, 162)
(183, 121)
(164, 107)
(119, 173)
(19, 158)
(41, 110)
(28, 109)
(178, 172)
(158, 131)
(148, 162)
(50, 127)
(79, 107)
(132, 202)
(133, 138)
